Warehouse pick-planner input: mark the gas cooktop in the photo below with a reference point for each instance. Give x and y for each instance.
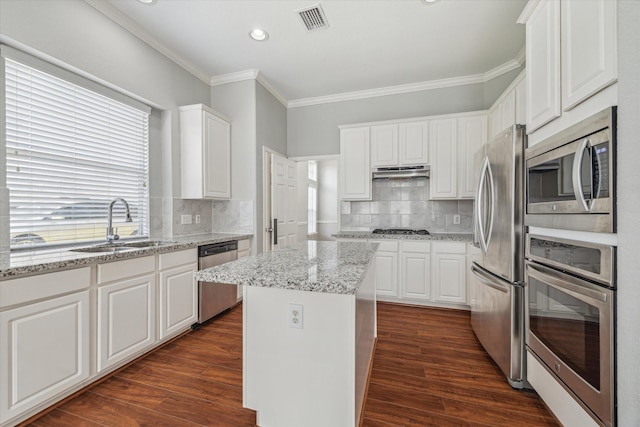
(405, 231)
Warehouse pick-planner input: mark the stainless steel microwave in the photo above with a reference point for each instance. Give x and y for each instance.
(570, 177)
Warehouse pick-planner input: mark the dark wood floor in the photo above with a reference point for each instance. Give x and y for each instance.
(428, 370)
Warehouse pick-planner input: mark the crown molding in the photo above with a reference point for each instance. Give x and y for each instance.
(240, 76)
(248, 75)
(527, 11)
(389, 90)
(414, 87)
(116, 16)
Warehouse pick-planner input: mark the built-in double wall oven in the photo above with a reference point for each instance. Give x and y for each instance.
(570, 281)
(570, 317)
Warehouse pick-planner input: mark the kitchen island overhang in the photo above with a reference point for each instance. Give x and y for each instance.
(312, 372)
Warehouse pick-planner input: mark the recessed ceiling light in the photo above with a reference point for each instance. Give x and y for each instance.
(259, 35)
(428, 1)
(148, 1)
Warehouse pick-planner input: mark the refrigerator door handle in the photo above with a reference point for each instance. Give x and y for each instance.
(492, 201)
(479, 207)
(487, 280)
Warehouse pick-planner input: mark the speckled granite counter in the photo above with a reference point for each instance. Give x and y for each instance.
(331, 267)
(453, 237)
(19, 263)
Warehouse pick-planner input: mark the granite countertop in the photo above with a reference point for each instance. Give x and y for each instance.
(14, 264)
(329, 267)
(452, 237)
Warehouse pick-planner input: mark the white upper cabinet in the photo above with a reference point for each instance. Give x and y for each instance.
(205, 138)
(453, 143)
(588, 49)
(384, 145)
(472, 134)
(571, 60)
(443, 154)
(414, 149)
(355, 164)
(543, 64)
(399, 144)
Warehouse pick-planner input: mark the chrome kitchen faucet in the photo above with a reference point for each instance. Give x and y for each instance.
(111, 236)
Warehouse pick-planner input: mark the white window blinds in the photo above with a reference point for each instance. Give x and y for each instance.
(70, 152)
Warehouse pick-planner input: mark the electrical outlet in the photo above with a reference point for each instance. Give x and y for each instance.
(197, 219)
(456, 219)
(295, 316)
(186, 219)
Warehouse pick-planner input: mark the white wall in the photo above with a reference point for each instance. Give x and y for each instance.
(628, 338)
(75, 36)
(271, 132)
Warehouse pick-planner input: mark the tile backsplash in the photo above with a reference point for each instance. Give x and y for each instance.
(406, 204)
(233, 216)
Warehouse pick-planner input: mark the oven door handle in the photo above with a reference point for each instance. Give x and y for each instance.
(487, 280)
(560, 280)
(577, 174)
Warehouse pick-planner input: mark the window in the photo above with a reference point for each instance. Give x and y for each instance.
(70, 152)
(312, 194)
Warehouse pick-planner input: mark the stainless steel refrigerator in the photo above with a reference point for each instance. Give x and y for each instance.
(497, 306)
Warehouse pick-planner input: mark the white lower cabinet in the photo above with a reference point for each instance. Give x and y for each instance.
(421, 272)
(44, 350)
(126, 310)
(178, 293)
(449, 272)
(386, 272)
(415, 270)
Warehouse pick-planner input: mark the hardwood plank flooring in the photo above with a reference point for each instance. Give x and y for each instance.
(428, 370)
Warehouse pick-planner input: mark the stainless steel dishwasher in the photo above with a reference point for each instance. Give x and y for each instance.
(214, 298)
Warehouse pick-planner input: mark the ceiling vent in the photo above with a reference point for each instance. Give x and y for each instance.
(313, 18)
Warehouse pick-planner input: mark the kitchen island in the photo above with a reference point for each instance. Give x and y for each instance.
(309, 330)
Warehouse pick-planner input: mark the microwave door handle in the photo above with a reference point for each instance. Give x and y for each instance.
(577, 174)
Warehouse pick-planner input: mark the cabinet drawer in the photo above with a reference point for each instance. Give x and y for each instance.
(386, 245)
(25, 289)
(174, 259)
(420, 247)
(450, 247)
(125, 269)
(243, 244)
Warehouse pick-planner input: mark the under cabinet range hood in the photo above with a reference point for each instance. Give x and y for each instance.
(401, 172)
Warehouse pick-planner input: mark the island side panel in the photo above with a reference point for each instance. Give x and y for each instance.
(366, 333)
(299, 377)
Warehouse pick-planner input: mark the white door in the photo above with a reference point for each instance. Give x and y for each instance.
(283, 202)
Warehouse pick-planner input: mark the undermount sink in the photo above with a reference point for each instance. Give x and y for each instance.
(147, 243)
(123, 247)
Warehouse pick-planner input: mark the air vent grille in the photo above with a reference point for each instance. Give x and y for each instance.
(313, 18)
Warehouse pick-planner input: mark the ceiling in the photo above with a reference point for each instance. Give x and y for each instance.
(368, 45)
